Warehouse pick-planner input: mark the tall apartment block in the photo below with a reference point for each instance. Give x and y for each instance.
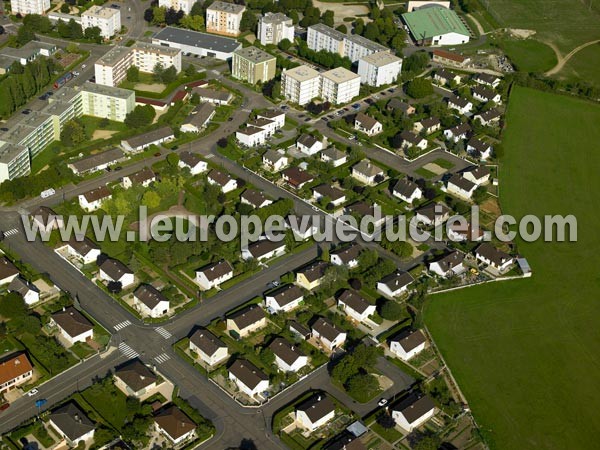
(251, 64)
(178, 5)
(24, 7)
(339, 85)
(300, 84)
(274, 28)
(378, 69)
(107, 19)
(224, 18)
(321, 37)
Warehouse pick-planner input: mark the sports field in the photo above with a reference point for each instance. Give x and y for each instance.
(525, 352)
(566, 23)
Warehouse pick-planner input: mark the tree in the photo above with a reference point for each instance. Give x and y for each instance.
(190, 70)
(419, 88)
(192, 22)
(359, 26)
(158, 15)
(386, 420)
(284, 45)
(248, 22)
(342, 28)
(416, 62)
(72, 48)
(37, 22)
(391, 310)
(327, 18)
(151, 199)
(12, 306)
(65, 8)
(157, 71)
(169, 75)
(149, 15)
(480, 195)
(140, 116)
(24, 35)
(73, 133)
(93, 34)
(363, 385)
(173, 159)
(133, 74)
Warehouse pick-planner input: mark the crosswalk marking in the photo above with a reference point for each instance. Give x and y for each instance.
(163, 357)
(122, 325)
(11, 232)
(128, 351)
(164, 333)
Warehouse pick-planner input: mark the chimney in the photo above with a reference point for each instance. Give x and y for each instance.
(319, 398)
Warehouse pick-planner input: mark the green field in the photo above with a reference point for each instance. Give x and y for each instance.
(529, 55)
(525, 352)
(584, 65)
(566, 23)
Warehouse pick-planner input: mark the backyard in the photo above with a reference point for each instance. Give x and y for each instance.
(517, 348)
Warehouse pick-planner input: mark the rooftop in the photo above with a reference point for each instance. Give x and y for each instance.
(301, 73)
(227, 7)
(113, 56)
(101, 11)
(253, 54)
(381, 59)
(426, 23)
(197, 39)
(340, 75)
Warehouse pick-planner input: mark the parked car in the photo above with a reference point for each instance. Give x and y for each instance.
(32, 392)
(382, 402)
(26, 111)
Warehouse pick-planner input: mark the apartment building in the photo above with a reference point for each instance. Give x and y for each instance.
(339, 85)
(107, 19)
(378, 69)
(224, 18)
(111, 69)
(300, 84)
(321, 37)
(178, 5)
(24, 7)
(274, 28)
(27, 137)
(252, 64)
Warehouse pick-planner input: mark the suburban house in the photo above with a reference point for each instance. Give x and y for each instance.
(490, 255)
(264, 249)
(427, 126)
(214, 274)
(461, 187)
(140, 142)
(288, 357)
(72, 424)
(274, 160)
(92, 200)
(223, 180)
(248, 378)
(197, 120)
(448, 265)
(309, 144)
(484, 94)
(115, 270)
(192, 162)
(150, 302)
(462, 105)
(457, 133)
(410, 139)
(8, 271)
(251, 136)
(299, 330)
(334, 156)
(355, 306)
(362, 209)
(28, 291)
(444, 76)
(310, 277)
(450, 58)
(212, 95)
(72, 325)
(461, 232)
(134, 379)
(15, 370)
(479, 175)
(479, 149)
(433, 214)
(276, 116)
(368, 173)
(46, 219)
(487, 79)
(395, 104)
(347, 256)
(246, 321)
(296, 177)
(315, 412)
(97, 162)
(255, 198)
(85, 250)
(395, 284)
(413, 411)
(284, 299)
(407, 190)
(209, 348)
(330, 336)
(407, 344)
(490, 117)
(144, 177)
(335, 196)
(267, 125)
(348, 440)
(176, 425)
(366, 124)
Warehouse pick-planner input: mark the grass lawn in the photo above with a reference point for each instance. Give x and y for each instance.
(109, 402)
(529, 55)
(525, 352)
(427, 174)
(584, 65)
(566, 23)
(444, 163)
(389, 434)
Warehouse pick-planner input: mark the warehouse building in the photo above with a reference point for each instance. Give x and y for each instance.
(436, 26)
(196, 43)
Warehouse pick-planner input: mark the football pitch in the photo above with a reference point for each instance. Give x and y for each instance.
(525, 353)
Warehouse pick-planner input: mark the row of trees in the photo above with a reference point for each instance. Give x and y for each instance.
(35, 23)
(323, 57)
(382, 29)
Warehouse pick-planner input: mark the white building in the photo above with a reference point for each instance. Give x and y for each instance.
(330, 336)
(457, 133)
(251, 136)
(108, 102)
(462, 105)
(223, 180)
(339, 85)
(275, 27)
(263, 249)
(105, 18)
(72, 325)
(196, 43)
(347, 256)
(248, 378)
(144, 177)
(28, 291)
(367, 172)
(433, 214)
(8, 271)
(214, 274)
(408, 344)
(247, 320)
(284, 299)
(175, 425)
(413, 411)
(178, 5)
(24, 7)
(321, 37)
(274, 160)
(355, 306)
(378, 69)
(92, 200)
(72, 424)
(461, 187)
(209, 348)
(300, 84)
(367, 124)
(448, 265)
(273, 115)
(395, 284)
(407, 190)
(192, 162)
(288, 357)
(150, 302)
(315, 412)
(309, 144)
(84, 250)
(115, 271)
(224, 18)
(334, 156)
(490, 255)
(15, 370)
